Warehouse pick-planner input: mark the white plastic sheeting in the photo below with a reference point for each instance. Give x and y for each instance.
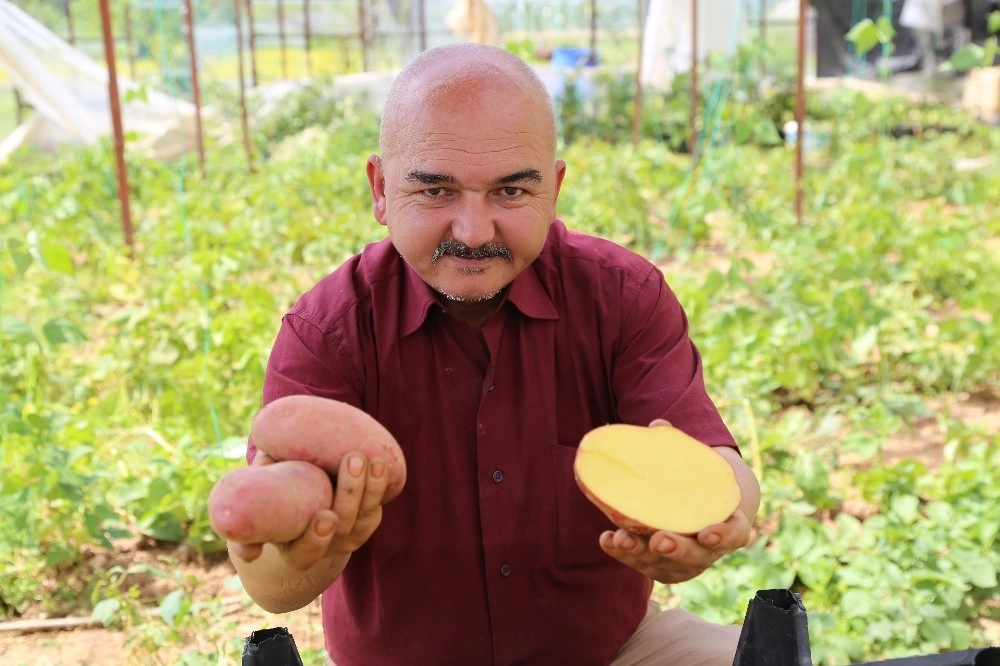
(666, 47)
(69, 93)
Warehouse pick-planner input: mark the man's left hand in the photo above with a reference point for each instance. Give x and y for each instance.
(674, 558)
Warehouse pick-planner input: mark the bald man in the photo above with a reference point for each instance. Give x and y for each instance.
(488, 338)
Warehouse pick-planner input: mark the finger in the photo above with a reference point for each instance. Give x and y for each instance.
(248, 552)
(377, 482)
(261, 459)
(350, 491)
(311, 546)
(727, 536)
(682, 549)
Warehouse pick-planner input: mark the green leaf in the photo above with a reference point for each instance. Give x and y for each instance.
(173, 605)
(989, 51)
(56, 257)
(993, 22)
(976, 568)
(105, 611)
(885, 30)
(20, 255)
(967, 57)
(864, 36)
(18, 330)
(905, 507)
(59, 331)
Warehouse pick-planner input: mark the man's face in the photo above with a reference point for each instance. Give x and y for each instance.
(469, 191)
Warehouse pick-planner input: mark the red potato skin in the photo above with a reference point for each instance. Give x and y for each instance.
(322, 431)
(268, 504)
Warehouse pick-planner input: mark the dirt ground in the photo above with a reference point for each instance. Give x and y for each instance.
(91, 646)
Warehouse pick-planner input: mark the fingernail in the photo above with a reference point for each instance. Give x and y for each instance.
(712, 539)
(355, 465)
(323, 527)
(628, 543)
(666, 546)
(377, 469)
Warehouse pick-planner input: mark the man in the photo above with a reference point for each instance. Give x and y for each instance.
(489, 339)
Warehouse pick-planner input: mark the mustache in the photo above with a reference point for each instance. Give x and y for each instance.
(463, 251)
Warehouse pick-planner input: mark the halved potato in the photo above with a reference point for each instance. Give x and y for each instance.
(655, 478)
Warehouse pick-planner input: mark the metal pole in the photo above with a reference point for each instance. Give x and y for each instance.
(637, 108)
(593, 25)
(71, 35)
(693, 112)
(762, 29)
(363, 25)
(800, 108)
(116, 124)
(243, 93)
(422, 9)
(253, 43)
(307, 27)
(195, 88)
(281, 39)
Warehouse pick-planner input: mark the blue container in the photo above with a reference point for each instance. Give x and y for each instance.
(574, 56)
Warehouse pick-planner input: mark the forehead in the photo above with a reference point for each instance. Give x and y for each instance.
(490, 105)
(484, 132)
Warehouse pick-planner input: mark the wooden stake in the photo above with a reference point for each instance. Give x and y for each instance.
(243, 92)
(195, 88)
(637, 109)
(252, 32)
(693, 112)
(800, 108)
(116, 125)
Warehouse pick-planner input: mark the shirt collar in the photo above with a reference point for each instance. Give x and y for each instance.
(526, 293)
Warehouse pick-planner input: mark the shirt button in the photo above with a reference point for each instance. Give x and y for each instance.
(505, 570)
(497, 476)
(490, 387)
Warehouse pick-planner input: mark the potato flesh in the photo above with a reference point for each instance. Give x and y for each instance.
(658, 478)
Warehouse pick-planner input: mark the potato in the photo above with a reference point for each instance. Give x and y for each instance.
(656, 478)
(268, 504)
(323, 431)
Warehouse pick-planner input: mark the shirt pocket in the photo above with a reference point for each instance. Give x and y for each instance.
(578, 522)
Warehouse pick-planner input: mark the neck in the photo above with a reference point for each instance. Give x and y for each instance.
(472, 313)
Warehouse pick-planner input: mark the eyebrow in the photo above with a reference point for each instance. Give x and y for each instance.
(426, 178)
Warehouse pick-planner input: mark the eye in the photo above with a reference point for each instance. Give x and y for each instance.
(511, 192)
(435, 192)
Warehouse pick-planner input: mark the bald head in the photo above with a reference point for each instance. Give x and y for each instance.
(458, 77)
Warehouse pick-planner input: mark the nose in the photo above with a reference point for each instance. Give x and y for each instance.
(473, 223)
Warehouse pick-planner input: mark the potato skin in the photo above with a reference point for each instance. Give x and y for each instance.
(268, 504)
(322, 431)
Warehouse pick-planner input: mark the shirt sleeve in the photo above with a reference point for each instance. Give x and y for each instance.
(658, 372)
(306, 360)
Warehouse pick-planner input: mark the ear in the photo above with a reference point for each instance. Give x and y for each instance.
(376, 181)
(560, 174)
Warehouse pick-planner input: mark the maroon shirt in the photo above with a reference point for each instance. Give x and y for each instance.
(490, 555)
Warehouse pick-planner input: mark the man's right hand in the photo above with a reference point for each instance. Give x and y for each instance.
(340, 530)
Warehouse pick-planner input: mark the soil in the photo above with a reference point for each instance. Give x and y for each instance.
(207, 579)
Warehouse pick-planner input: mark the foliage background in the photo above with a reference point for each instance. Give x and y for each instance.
(127, 385)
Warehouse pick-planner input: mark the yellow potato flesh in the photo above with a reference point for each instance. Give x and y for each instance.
(658, 478)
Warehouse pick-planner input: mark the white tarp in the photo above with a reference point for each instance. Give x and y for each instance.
(69, 93)
(666, 47)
